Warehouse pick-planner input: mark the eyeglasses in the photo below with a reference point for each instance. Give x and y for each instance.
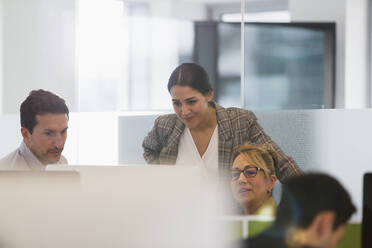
(249, 171)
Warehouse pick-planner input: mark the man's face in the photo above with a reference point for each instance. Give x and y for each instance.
(48, 137)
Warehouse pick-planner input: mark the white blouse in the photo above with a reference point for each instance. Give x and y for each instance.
(188, 153)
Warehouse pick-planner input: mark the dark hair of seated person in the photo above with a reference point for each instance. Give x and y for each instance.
(307, 195)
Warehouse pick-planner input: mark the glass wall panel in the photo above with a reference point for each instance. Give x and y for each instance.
(127, 49)
(287, 65)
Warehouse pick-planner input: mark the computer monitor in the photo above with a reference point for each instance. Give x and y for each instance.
(9, 177)
(38, 181)
(367, 211)
(115, 206)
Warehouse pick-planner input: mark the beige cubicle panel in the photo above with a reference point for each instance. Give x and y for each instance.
(335, 141)
(108, 206)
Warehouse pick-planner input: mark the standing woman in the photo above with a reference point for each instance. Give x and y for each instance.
(203, 133)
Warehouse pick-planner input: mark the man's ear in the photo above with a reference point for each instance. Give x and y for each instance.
(323, 224)
(26, 135)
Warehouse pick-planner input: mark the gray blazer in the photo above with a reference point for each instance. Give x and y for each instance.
(235, 126)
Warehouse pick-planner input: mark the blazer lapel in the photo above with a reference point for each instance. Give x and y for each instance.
(170, 152)
(225, 141)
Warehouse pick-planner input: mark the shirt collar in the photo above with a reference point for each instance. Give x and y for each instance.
(32, 161)
(268, 208)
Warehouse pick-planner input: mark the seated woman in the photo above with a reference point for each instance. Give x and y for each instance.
(253, 178)
(203, 133)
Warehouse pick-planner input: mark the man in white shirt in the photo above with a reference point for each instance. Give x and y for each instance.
(44, 118)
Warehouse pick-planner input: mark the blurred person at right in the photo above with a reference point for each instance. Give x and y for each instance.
(313, 213)
(253, 178)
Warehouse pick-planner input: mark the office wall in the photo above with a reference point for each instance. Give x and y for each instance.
(10, 133)
(38, 50)
(38, 45)
(352, 85)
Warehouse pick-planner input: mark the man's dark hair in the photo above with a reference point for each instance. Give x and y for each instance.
(40, 102)
(305, 196)
(192, 75)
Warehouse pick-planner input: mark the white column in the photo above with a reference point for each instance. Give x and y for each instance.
(356, 52)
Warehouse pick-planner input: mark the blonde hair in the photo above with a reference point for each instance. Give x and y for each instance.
(263, 154)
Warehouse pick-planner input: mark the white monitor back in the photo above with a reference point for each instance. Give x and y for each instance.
(115, 206)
